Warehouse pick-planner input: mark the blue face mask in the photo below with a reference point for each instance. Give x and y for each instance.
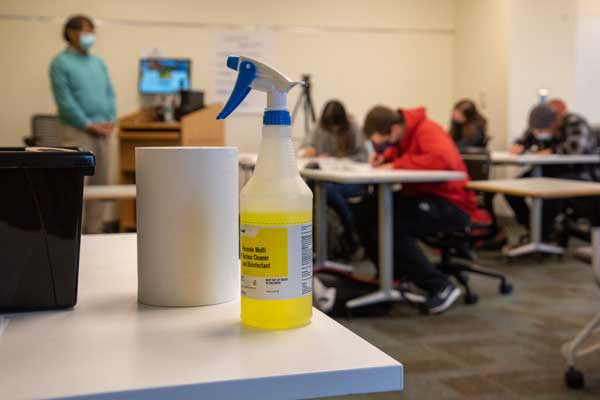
(543, 136)
(87, 40)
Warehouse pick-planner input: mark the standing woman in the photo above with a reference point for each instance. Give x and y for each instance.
(85, 100)
(338, 136)
(468, 127)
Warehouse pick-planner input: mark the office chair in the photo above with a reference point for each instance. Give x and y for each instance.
(457, 258)
(588, 340)
(44, 131)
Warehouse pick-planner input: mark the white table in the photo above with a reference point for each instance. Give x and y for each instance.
(247, 162)
(537, 189)
(109, 192)
(111, 347)
(537, 161)
(384, 179)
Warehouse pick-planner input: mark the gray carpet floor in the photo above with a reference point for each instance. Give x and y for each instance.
(504, 347)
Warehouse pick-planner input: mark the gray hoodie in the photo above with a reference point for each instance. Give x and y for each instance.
(326, 143)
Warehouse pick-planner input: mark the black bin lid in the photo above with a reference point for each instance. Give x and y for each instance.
(47, 157)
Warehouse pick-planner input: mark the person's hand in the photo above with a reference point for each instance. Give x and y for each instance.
(517, 148)
(100, 128)
(309, 152)
(543, 152)
(376, 160)
(386, 166)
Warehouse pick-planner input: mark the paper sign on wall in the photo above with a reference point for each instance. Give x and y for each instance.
(248, 43)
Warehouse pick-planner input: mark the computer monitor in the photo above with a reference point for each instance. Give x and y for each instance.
(164, 75)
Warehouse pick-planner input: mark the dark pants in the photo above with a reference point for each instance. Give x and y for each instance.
(550, 208)
(414, 218)
(337, 197)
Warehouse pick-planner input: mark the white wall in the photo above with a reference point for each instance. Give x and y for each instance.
(506, 50)
(542, 55)
(587, 97)
(587, 80)
(392, 52)
(481, 60)
(588, 7)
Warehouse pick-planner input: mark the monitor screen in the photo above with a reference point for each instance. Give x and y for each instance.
(164, 75)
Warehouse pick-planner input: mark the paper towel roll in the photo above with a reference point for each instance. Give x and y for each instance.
(187, 223)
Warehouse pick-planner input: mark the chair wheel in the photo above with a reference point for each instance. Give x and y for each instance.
(574, 378)
(471, 298)
(506, 288)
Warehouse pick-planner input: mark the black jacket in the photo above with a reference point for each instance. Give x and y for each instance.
(575, 136)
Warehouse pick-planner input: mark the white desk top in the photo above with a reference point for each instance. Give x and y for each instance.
(538, 187)
(112, 347)
(248, 160)
(367, 174)
(109, 192)
(504, 157)
(347, 171)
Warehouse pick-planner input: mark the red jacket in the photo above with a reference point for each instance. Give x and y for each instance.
(426, 145)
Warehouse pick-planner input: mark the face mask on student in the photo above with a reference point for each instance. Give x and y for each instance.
(543, 136)
(87, 40)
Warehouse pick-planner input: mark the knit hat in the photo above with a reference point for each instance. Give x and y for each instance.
(541, 116)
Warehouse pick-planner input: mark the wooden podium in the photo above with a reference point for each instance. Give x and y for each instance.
(140, 129)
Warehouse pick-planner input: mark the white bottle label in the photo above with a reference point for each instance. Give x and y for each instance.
(276, 260)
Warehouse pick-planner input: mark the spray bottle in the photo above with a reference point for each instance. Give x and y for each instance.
(275, 210)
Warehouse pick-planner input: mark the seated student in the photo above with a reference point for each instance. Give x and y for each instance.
(553, 130)
(337, 135)
(468, 127)
(419, 209)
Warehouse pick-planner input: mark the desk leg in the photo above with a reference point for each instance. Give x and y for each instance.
(321, 222)
(386, 291)
(321, 230)
(535, 231)
(386, 239)
(596, 252)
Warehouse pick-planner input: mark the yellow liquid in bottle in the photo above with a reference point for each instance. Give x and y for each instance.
(277, 314)
(281, 313)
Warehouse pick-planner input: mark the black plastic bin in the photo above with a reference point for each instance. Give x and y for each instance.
(41, 200)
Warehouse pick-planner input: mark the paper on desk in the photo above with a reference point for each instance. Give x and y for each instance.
(342, 165)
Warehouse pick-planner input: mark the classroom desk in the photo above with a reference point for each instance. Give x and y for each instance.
(109, 192)
(537, 189)
(537, 161)
(247, 162)
(111, 347)
(384, 179)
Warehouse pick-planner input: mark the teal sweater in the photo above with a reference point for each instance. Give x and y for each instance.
(82, 89)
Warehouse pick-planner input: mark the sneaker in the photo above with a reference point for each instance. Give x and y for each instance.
(442, 300)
